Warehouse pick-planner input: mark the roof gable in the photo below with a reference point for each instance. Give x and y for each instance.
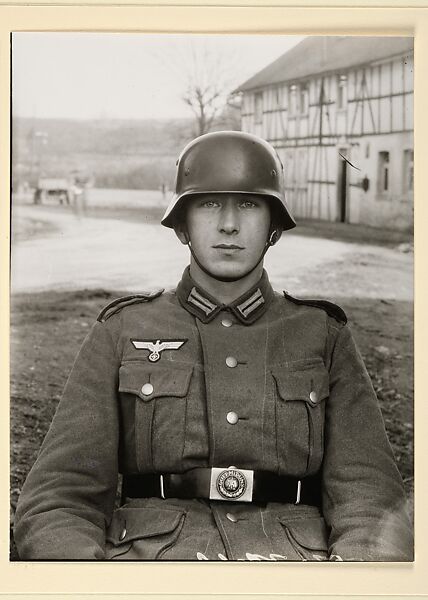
(318, 54)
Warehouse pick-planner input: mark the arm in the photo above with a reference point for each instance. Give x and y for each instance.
(69, 495)
(363, 497)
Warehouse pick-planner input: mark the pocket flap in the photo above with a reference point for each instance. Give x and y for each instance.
(150, 382)
(310, 533)
(135, 523)
(310, 384)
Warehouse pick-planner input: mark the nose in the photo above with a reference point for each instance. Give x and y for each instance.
(229, 218)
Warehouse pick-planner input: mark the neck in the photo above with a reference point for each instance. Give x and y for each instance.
(224, 291)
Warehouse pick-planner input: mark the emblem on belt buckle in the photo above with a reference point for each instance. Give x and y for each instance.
(231, 484)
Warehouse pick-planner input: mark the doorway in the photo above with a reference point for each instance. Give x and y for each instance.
(342, 188)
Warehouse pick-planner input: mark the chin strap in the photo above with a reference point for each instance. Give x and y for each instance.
(273, 238)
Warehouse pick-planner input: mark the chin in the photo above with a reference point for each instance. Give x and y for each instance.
(231, 271)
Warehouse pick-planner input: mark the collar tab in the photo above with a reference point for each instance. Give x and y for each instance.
(201, 302)
(247, 308)
(251, 304)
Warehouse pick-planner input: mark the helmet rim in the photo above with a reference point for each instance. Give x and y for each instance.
(169, 218)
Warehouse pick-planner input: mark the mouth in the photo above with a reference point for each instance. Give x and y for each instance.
(228, 247)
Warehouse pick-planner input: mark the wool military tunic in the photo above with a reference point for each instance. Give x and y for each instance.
(264, 384)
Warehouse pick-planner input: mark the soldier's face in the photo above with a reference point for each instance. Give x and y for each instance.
(228, 232)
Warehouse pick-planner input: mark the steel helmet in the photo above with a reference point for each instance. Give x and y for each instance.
(229, 162)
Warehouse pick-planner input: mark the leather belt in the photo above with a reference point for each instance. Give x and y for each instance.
(230, 484)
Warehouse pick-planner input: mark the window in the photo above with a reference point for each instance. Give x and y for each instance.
(258, 107)
(342, 92)
(383, 174)
(302, 167)
(304, 99)
(408, 171)
(292, 100)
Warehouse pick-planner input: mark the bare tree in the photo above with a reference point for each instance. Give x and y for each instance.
(202, 101)
(207, 85)
(207, 73)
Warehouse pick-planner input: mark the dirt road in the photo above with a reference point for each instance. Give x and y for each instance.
(66, 252)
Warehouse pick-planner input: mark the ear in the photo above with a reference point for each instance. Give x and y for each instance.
(181, 233)
(275, 236)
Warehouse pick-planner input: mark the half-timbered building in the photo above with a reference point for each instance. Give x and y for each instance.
(339, 111)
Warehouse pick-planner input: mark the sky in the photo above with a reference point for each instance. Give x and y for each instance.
(128, 76)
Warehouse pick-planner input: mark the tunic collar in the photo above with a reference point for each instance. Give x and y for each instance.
(247, 308)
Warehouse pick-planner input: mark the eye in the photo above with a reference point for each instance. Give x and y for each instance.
(248, 204)
(209, 204)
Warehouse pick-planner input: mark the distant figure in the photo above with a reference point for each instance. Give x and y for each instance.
(78, 192)
(164, 190)
(64, 196)
(37, 198)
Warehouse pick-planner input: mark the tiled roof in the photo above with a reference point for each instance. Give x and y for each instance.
(318, 54)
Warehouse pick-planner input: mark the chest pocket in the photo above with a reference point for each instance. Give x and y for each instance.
(154, 402)
(299, 416)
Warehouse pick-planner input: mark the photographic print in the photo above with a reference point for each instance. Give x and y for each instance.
(211, 297)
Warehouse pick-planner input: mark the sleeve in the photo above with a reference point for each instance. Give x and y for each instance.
(364, 502)
(68, 497)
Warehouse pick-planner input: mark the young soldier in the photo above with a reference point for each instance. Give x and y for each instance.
(242, 420)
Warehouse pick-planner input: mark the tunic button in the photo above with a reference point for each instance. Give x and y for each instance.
(231, 361)
(231, 517)
(313, 397)
(226, 322)
(147, 389)
(122, 534)
(232, 418)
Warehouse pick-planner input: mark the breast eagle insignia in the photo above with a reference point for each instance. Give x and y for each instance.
(156, 347)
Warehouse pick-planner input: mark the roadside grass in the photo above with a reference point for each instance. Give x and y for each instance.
(48, 328)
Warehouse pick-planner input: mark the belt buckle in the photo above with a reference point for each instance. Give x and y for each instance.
(231, 484)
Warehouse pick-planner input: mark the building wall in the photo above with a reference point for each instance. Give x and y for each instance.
(393, 208)
(317, 122)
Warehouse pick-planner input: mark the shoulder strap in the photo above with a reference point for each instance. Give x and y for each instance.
(331, 309)
(120, 303)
